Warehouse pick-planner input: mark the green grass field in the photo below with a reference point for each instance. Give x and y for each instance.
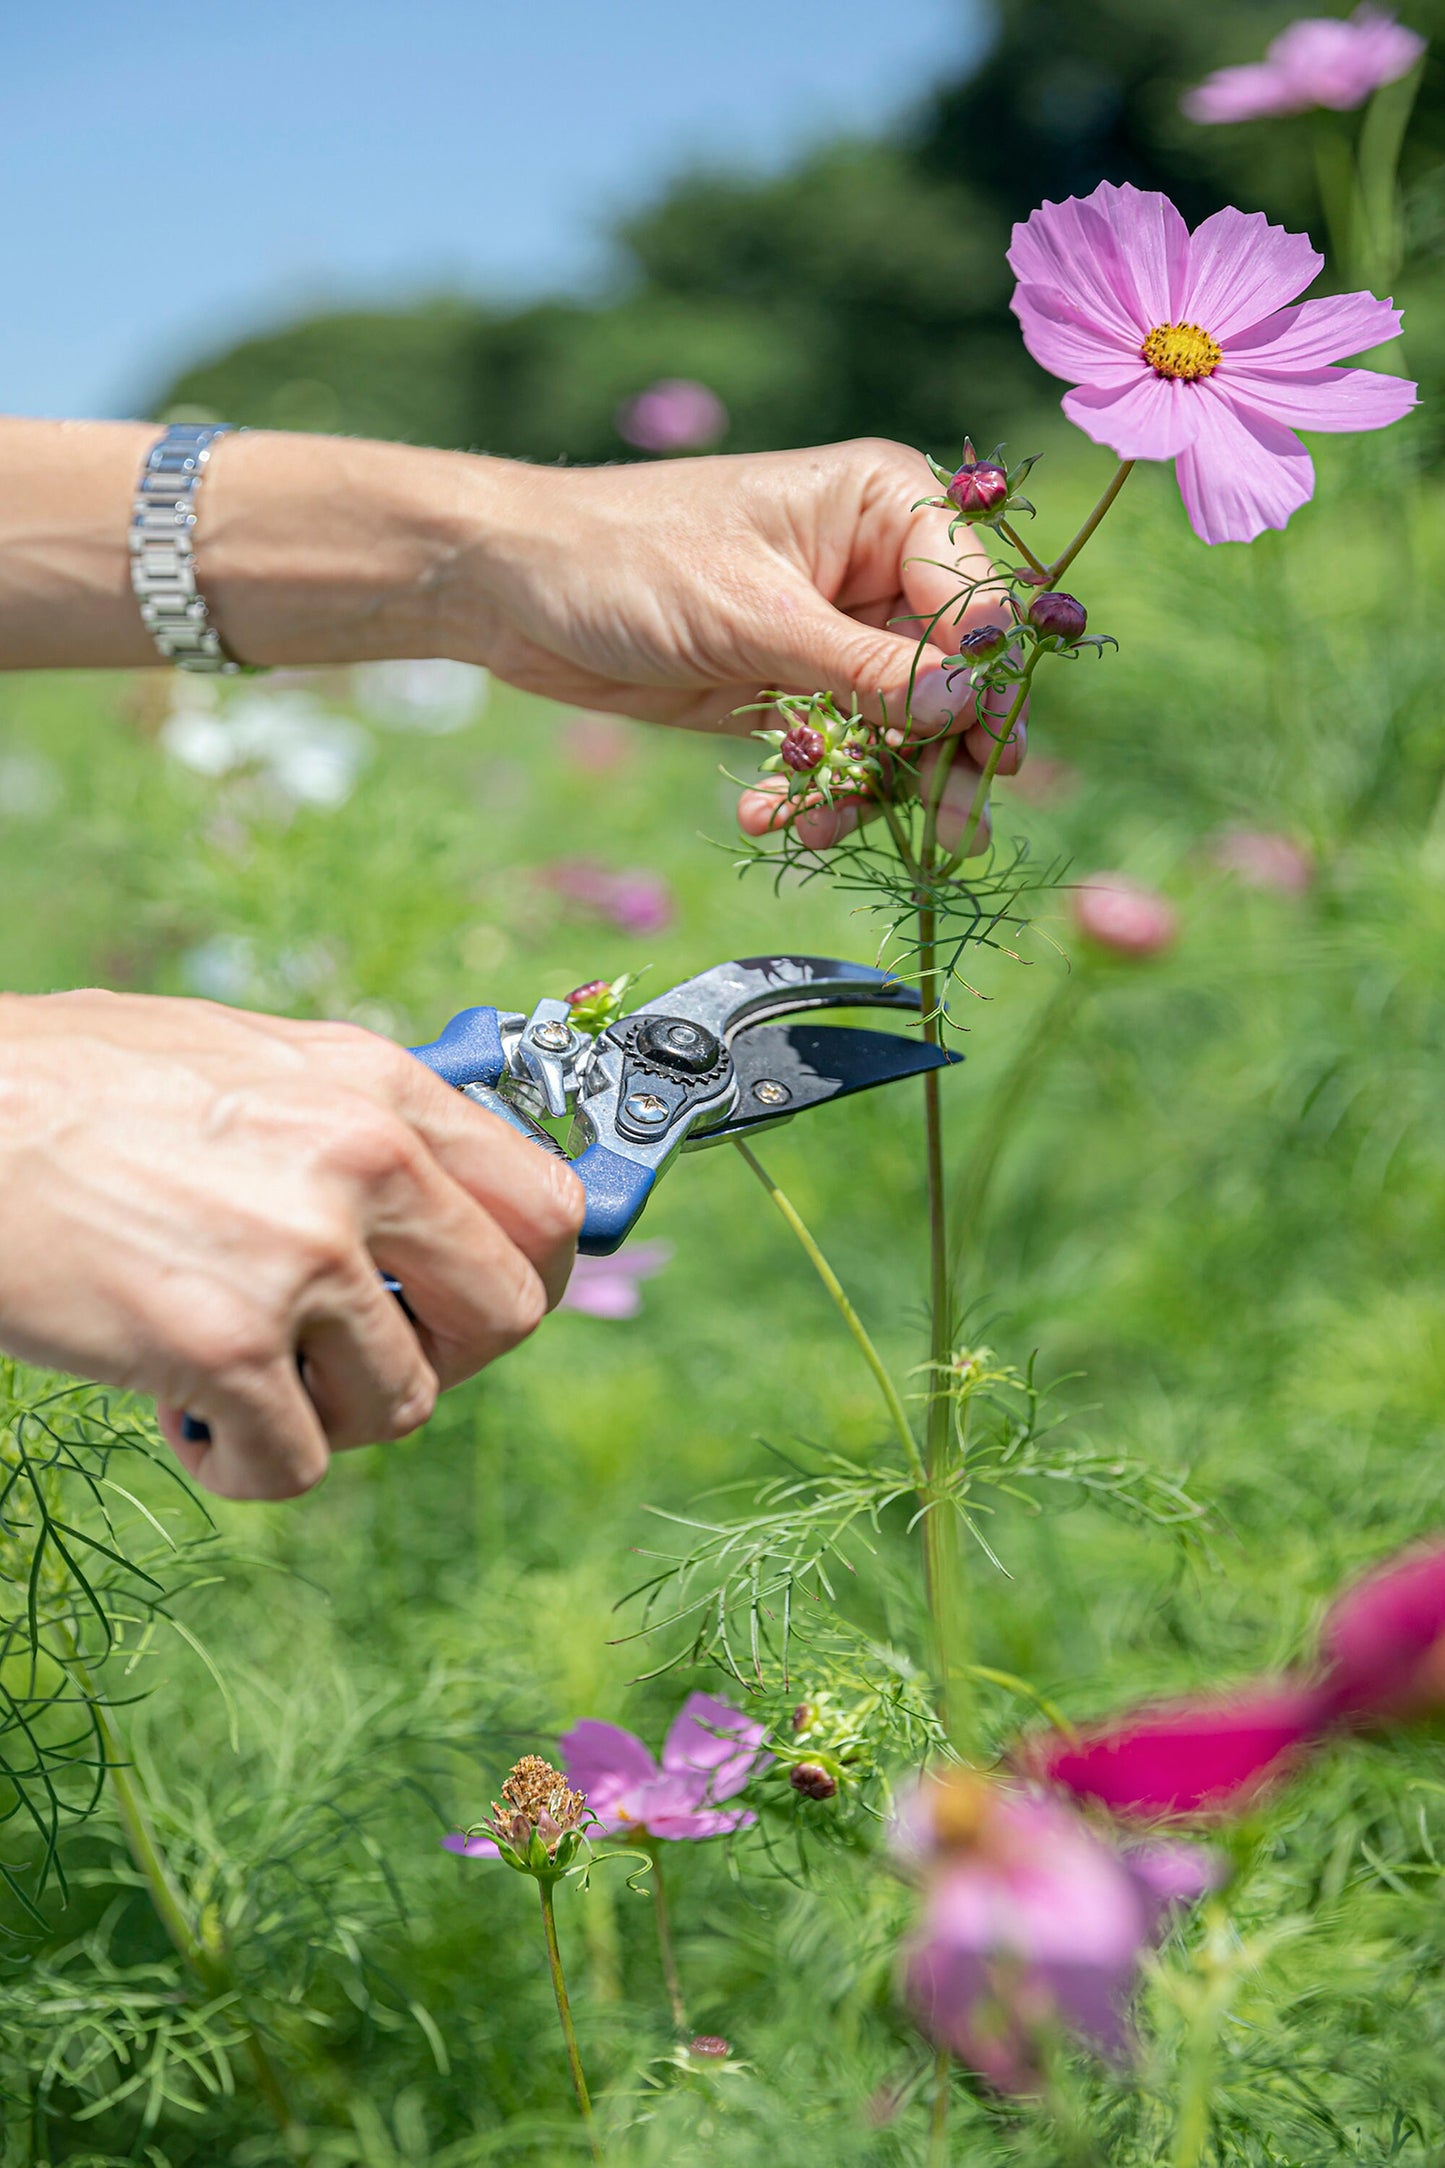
(1216, 1217)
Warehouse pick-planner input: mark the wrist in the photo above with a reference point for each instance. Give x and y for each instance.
(334, 550)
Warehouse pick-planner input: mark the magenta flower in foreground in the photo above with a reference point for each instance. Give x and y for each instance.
(1318, 61)
(709, 1754)
(1186, 1758)
(1383, 1643)
(674, 415)
(1181, 347)
(610, 1287)
(1032, 1921)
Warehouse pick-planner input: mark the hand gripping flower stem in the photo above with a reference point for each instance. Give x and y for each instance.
(891, 1399)
(545, 1886)
(665, 1946)
(206, 1963)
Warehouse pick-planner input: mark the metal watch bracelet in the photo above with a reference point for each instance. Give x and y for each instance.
(162, 557)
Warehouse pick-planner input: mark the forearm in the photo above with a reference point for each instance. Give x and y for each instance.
(308, 549)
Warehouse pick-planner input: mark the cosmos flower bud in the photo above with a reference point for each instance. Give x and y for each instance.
(983, 643)
(709, 2048)
(978, 489)
(589, 992)
(802, 748)
(1123, 916)
(812, 1780)
(1058, 617)
(803, 1715)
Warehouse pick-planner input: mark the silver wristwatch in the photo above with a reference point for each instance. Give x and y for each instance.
(162, 560)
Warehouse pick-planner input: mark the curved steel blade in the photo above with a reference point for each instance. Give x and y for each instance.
(783, 1069)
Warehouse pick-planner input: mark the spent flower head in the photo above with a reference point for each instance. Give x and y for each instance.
(536, 1825)
(593, 1007)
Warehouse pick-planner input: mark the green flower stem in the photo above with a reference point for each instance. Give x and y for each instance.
(851, 1319)
(1061, 565)
(206, 1964)
(1200, 2053)
(984, 784)
(668, 1954)
(938, 2116)
(564, 2015)
(1016, 541)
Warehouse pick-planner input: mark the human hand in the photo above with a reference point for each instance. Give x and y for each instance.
(192, 1197)
(679, 591)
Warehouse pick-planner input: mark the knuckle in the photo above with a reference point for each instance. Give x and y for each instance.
(370, 1145)
(415, 1407)
(234, 1339)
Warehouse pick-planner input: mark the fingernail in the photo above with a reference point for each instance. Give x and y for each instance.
(935, 702)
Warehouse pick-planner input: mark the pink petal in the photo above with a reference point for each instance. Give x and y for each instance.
(1173, 1874)
(602, 1760)
(1242, 268)
(1339, 399)
(1338, 65)
(1119, 256)
(704, 1822)
(708, 1737)
(1061, 338)
(1242, 473)
(1330, 328)
(1155, 417)
(472, 1847)
(1185, 1760)
(1380, 1638)
(1258, 92)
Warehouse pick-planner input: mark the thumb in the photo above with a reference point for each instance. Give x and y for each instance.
(816, 648)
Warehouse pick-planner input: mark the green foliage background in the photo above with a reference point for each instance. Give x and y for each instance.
(862, 291)
(1217, 1209)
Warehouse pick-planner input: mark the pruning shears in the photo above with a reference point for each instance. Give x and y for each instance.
(703, 1063)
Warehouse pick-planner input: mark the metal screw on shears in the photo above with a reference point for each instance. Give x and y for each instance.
(771, 1092)
(647, 1107)
(553, 1038)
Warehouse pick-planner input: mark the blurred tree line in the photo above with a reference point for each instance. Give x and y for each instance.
(865, 290)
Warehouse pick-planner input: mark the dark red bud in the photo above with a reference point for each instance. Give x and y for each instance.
(978, 489)
(812, 1780)
(983, 643)
(803, 748)
(710, 2048)
(589, 992)
(803, 1715)
(1062, 616)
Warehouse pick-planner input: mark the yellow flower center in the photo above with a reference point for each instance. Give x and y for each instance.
(1182, 350)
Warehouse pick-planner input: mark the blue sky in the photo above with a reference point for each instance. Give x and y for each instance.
(175, 175)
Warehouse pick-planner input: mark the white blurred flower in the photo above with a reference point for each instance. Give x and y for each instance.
(30, 786)
(310, 755)
(435, 697)
(223, 969)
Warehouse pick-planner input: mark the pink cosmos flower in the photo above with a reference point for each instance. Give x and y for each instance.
(1188, 1758)
(1037, 1920)
(1317, 61)
(710, 1752)
(598, 744)
(1383, 1643)
(1263, 860)
(610, 1287)
(674, 415)
(1181, 347)
(1124, 916)
(637, 902)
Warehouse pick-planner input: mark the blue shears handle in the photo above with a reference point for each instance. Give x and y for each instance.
(470, 1051)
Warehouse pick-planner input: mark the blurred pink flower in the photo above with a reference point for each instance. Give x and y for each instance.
(1180, 347)
(1186, 1758)
(1265, 860)
(1318, 61)
(1123, 916)
(1032, 1920)
(1383, 1642)
(710, 1752)
(598, 744)
(674, 415)
(636, 902)
(610, 1286)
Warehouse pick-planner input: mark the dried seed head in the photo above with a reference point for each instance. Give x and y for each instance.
(537, 1797)
(812, 1780)
(1060, 617)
